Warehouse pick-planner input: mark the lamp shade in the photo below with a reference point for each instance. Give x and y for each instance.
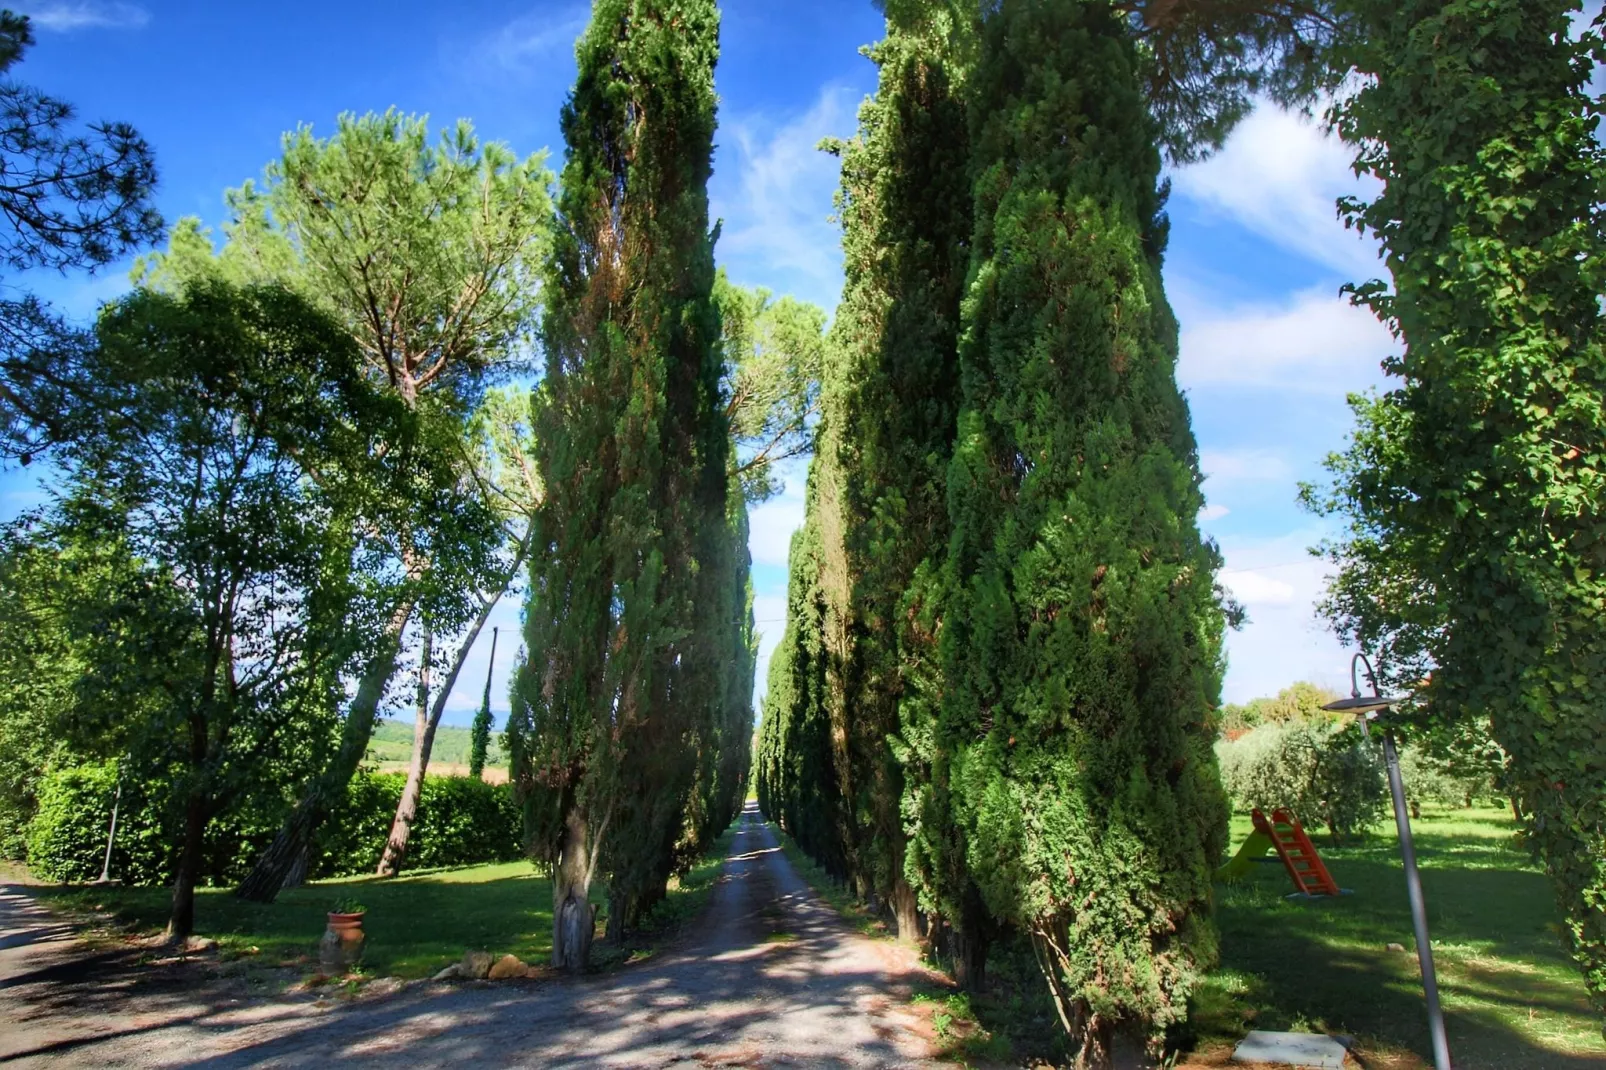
(1360, 704)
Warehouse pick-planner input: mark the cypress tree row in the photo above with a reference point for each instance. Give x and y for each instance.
(797, 782)
(621, 686)
(875, 504)
(905, 210)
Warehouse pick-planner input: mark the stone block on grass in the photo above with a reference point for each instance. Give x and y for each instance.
(1306, 1050)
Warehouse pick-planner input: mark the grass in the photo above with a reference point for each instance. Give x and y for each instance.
(1513, 1000)
(392, 744)
(415, 924)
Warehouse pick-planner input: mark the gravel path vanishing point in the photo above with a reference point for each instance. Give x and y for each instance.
(770, 976)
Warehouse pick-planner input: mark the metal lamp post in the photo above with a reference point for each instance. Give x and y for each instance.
(111, 835)
(1370, 709)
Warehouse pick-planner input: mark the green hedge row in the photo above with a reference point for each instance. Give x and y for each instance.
(461, 821)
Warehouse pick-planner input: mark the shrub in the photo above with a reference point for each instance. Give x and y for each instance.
(67, 835)
(461, 821)
(1322, 771)
(1433, 778)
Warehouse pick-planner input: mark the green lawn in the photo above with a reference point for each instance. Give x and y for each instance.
(392, 745)
(415, 924)
(1512, 998)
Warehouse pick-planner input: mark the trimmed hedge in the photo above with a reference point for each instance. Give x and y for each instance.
(461, 821)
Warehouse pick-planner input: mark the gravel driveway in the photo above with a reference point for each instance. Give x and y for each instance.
(770, 976)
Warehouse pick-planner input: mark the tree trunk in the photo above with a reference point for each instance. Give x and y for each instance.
(181, 922)
(424, 728)
(274, 866)
(573, 917)
(619, 920)
(970, 941)
(390, 861)
(970, 960)
(907, 912)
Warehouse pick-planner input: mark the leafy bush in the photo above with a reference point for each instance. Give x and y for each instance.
(1431, 778)
(67, 836)
(1322, 771)
(461, 821)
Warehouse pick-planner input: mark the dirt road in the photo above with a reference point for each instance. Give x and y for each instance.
(770, 976)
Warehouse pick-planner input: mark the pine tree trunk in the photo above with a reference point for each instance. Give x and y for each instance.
(273, 868)
(181, 922)
(573, 917)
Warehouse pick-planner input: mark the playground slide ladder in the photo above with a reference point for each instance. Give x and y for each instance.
(1299, 855)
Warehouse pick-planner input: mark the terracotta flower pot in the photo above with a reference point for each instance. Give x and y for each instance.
(346, 922)
(341, 946)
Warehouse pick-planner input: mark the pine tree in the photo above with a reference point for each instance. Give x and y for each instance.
(1077, 621)
(620, 679)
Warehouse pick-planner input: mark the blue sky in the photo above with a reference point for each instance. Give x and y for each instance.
(1269, 348)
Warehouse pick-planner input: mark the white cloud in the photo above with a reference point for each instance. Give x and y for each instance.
(1279, 175)
(64, 16)
(777, 212)
(1279, 584)
(1258, 589)
(770, 525)
(1314, 342)
(1243, 466)
(1212, 512)
(532, 38)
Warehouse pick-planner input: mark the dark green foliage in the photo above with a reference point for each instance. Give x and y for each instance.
(906, 212)
(1475, 488)
(876, 497)
(70, 199)
(797, 783)
(620, 698)
(66, 839)
(480, 731)
(1080, 628)
(461, 821)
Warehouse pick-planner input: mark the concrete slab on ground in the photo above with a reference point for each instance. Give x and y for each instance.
(1310, 1050)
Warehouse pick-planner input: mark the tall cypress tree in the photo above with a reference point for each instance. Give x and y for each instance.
(620, 681)
(1080, 628)
(905, 210)
(875, 501)
(797, 781)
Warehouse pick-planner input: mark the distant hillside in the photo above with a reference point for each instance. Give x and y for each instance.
(393, 743)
